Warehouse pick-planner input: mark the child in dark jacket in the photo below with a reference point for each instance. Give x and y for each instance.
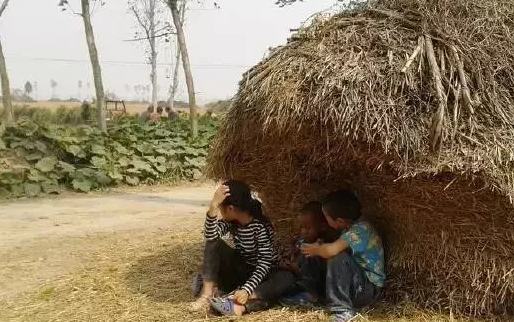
(310, 271)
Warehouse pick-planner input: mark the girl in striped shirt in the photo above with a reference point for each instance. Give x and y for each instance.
(250, 270)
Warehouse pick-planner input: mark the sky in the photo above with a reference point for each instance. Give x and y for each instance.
(41, 43)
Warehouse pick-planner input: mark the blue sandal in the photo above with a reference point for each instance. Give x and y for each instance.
(224, 306)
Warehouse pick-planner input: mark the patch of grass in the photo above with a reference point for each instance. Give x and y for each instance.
(46, 293)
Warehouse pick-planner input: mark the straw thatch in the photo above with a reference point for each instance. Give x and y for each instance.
(410, 103)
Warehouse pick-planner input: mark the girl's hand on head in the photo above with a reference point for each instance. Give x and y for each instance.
(219, 196)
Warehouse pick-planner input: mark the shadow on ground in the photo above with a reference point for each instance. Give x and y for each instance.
(165, 275)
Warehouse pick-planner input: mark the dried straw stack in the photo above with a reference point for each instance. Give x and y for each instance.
(410, 103)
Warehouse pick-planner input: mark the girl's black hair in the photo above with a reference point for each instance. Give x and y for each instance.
(241, 198)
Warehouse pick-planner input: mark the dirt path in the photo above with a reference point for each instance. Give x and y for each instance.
(45, 239)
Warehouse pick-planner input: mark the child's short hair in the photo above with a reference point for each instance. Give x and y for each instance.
(342, 204)
(314, 209)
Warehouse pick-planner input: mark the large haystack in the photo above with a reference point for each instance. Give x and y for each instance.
(410, 103)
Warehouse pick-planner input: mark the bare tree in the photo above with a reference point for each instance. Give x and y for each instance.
(152, 28)
(36, 91)
(6, 89)
(53, 84)
(28, 89)
(174, 81)
(173, 5)
(79, 96)
(86, 10)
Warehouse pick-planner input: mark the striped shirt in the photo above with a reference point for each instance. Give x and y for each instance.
(254, 242)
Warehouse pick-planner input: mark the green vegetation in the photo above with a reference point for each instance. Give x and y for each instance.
(47, 158)
(60, 115)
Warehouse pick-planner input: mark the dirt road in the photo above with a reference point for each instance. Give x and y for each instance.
(44, 239)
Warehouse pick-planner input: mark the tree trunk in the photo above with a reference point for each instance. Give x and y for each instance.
(95, 63)
(153, 53)
(6, 89)
(174, 83)
(187, 67)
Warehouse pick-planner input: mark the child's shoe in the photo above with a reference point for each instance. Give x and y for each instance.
(343, 316)
(302, 299)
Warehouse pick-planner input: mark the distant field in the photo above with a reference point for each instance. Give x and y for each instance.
(132, 108)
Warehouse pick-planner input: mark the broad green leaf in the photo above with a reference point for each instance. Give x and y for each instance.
(4, 193)
(98, 162)
(86, 172)
(150, 158)
(121, 149)
(82, 184)
(98, 149)
(41, 146)
(33, 156)
(115, 175)
(197, 174)
(124, 161)
(10, 178)
(160, 168)
(75, 150)
(140, 164)
(2, 145)
(32, 189)
(36, 176)
(17, 189)
(24, 143)
(46, 164)
(168, 152)
(144, 148)
(160, 159)
(191, 151)
(56, 175)
(133, 181)
(52, 188)
(102, 178)
(66, 167)
(162, 133)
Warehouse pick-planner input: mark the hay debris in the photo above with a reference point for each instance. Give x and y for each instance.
(410, 102)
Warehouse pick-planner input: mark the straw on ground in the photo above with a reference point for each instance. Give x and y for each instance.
(130, 260)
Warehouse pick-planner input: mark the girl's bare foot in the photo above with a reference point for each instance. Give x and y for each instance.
(239, 309)
(201, 304)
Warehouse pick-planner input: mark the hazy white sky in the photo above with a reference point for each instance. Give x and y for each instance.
(42, 43)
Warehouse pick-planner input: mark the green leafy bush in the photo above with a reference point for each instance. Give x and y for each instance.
(51, 158)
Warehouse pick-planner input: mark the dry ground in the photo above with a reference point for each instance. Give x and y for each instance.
(119, 257)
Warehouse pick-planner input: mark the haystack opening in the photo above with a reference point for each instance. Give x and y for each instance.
(409, 103)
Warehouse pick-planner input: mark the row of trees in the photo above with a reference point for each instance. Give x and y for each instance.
(153, 26)
(147, 14)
